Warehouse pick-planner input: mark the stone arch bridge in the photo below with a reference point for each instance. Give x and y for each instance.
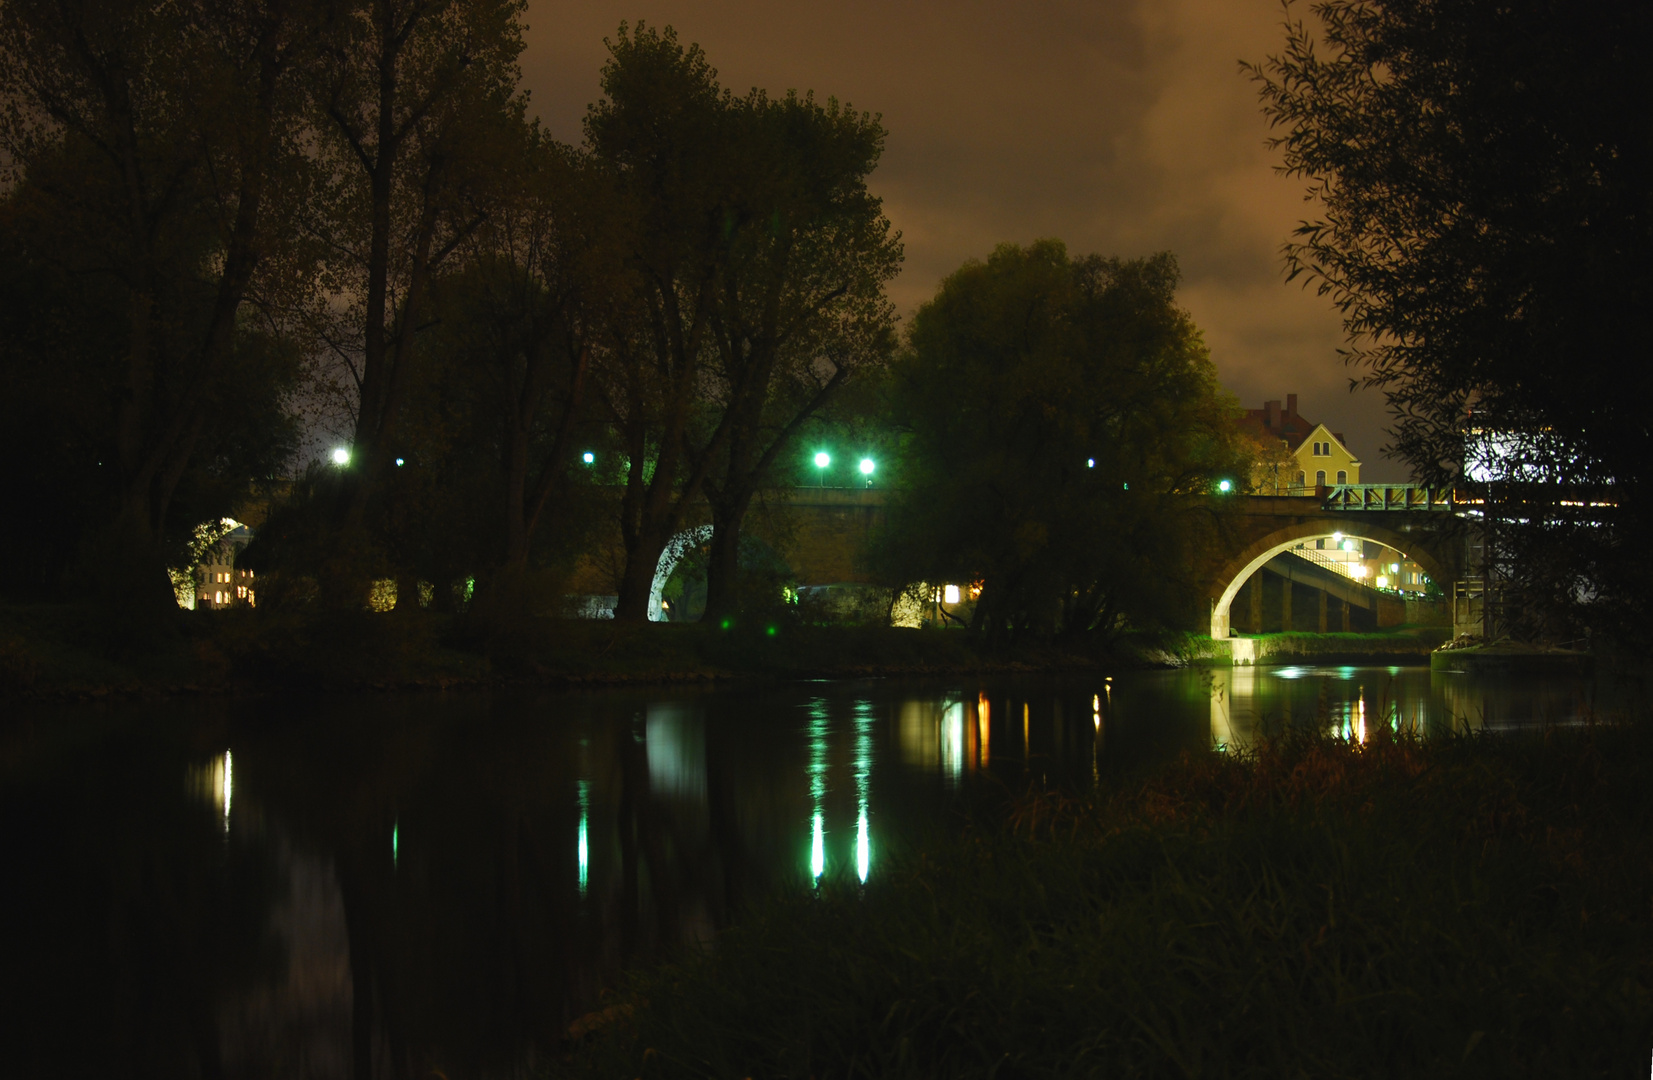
(830, 528)
(1410, 519)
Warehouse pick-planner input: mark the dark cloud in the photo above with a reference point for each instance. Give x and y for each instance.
(1118, 127)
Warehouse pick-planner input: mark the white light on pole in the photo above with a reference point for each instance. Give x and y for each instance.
(341, 455)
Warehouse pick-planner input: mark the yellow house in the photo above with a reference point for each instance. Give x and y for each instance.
(1295, 455)
(1322, 459)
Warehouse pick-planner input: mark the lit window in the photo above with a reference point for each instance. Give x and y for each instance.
(950, 594)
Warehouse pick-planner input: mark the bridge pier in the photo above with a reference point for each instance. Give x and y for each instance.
(1322, 595)
(1257, 602)
(1285, 605)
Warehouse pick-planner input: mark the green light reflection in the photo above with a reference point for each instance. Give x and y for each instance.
(863, 787)
(584, 787)
(818, 730)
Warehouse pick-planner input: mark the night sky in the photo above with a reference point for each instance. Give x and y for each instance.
(1120, 127)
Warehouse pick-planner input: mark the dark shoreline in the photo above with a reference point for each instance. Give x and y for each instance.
(59, 652)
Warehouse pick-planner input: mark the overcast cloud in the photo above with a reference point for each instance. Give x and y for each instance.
(1116, 126)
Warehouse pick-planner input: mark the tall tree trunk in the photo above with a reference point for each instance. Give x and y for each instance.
(637, 580)
(723, 567)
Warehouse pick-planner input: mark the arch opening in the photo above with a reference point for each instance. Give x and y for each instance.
(672, 554)
(1239, 569)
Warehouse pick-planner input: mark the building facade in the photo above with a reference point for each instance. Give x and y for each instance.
(1296, 456)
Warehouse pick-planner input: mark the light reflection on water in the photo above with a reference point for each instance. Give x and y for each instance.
(539, 843)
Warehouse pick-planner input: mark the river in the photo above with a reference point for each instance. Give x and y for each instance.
(271, 887)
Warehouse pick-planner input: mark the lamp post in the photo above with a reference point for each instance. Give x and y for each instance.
(867, 466)
(822, 460)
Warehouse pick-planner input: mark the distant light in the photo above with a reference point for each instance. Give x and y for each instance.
(399, 463)
(341, 455)
(1382, 582)
(950, 594)
(1338, 537)
(1225, 486)
(866, 466)
(588, 457)
(1348, 545)
(771, 631)
(1090, 463)
(823, 459)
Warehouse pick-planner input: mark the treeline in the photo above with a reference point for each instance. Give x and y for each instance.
(219, 213)
(227, 225)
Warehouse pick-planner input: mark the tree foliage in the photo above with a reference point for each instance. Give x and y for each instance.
(1481, 178)
(152, 151)
(754, 261)
(1065, 434)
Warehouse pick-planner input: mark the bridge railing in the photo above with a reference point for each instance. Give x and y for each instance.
(1387, 497)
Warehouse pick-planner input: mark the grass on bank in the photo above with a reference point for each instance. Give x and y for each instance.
(1473, 906)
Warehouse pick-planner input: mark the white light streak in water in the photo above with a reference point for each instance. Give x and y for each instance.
(982, 714)
(395, 842)
(584, 787)
(863, 787)
(952, 742)
(818, 730)
(863, 854)
(229, 786)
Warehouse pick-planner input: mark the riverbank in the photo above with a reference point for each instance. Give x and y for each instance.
(67, 651)
(1463, 906)
(1402, 644)
(62, 651)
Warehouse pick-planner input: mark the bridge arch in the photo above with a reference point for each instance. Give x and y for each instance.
(677, 547)
(1255, 555)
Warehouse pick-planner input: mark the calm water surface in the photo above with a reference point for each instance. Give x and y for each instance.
(286, 887)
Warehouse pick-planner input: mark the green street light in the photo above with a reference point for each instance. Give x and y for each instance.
(588, 457)
(341, 455)
(867, 466)
(1225, 486)
(822, 460)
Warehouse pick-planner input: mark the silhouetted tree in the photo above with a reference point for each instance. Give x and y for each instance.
(1481, 191)
(1066, 433)
(756, 260)
(154, 153)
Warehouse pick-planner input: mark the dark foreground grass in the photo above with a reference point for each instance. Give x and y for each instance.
(1476, 906)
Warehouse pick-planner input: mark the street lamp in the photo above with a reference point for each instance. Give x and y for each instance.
(588, 457)
(867, 466)
(341, 455)
(822, 460)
